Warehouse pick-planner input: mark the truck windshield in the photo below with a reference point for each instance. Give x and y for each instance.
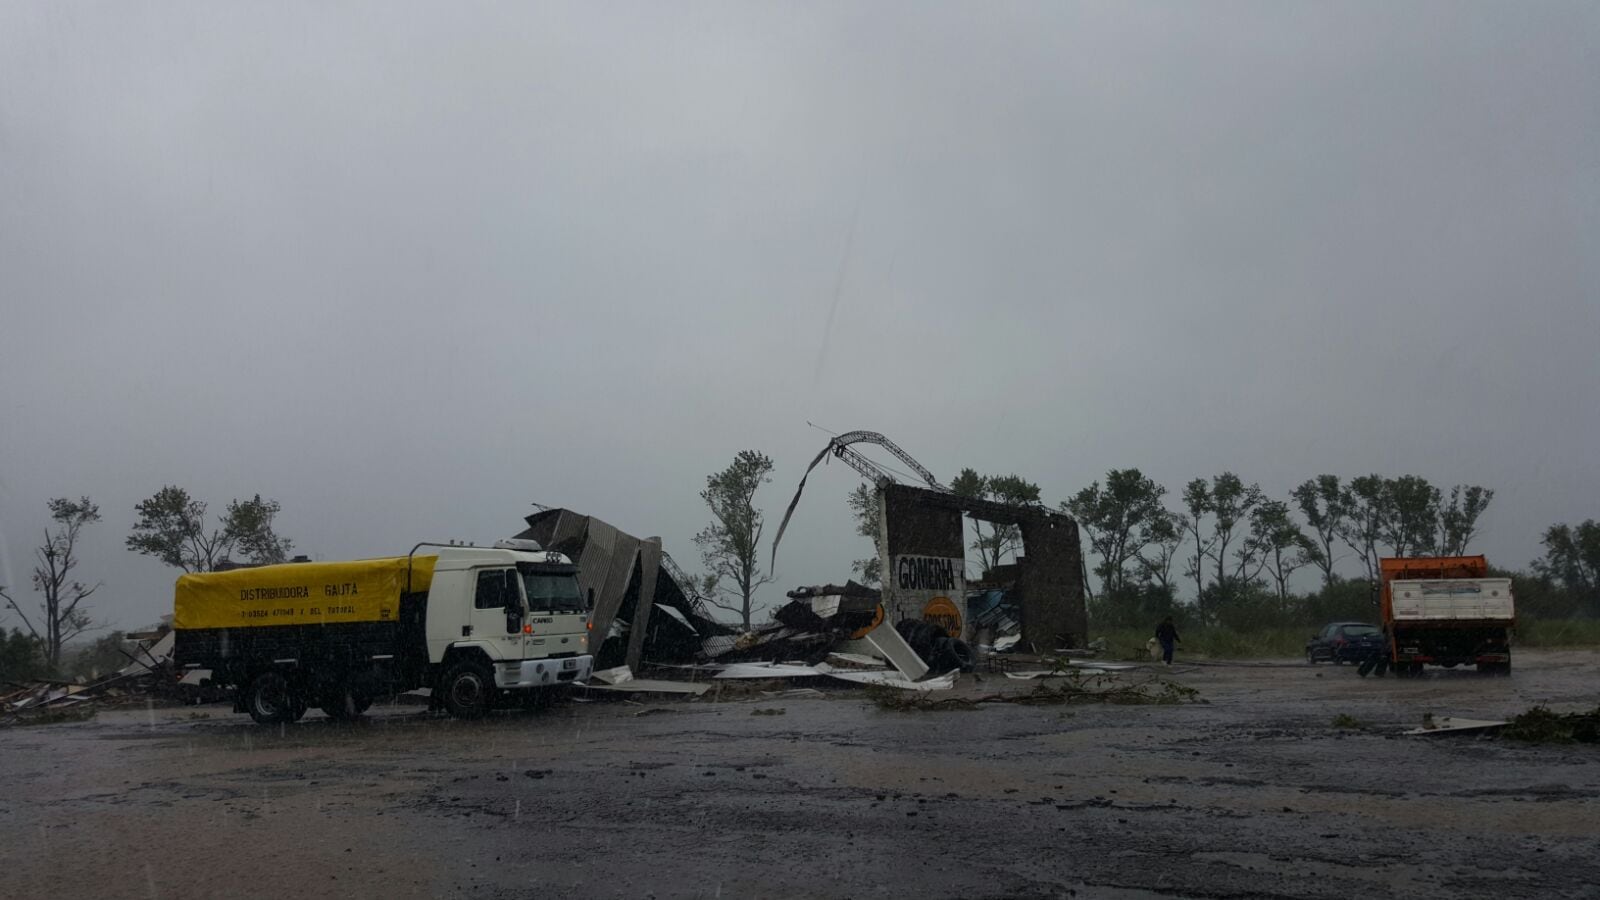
(552, 592)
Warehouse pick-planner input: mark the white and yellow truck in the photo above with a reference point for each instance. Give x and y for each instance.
(479, 626)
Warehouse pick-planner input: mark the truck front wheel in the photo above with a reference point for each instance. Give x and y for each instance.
(468, 688)
(270, 700)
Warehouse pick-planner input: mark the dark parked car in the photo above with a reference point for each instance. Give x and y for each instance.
(1343, 642)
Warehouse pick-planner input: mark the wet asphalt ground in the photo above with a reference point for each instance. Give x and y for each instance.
(1255, 793)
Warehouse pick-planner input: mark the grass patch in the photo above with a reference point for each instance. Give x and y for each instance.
(1559, 633)
(1345, 720)
(1213, 643)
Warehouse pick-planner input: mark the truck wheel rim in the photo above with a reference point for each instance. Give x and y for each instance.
(270, 702)
(466, 691)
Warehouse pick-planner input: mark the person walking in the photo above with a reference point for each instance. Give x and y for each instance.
(1167, 634)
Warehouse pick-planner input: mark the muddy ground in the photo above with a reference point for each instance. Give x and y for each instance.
(1253, 794)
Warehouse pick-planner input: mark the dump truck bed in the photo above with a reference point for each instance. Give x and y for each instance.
(1456, 600)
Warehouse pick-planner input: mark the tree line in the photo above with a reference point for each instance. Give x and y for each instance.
(171, 526)
(1224, 552)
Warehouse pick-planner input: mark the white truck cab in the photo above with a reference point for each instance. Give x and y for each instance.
(518, 612)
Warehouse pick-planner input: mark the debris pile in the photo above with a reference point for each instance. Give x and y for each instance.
(149, 673)
(1096, 687)
(1540, 725)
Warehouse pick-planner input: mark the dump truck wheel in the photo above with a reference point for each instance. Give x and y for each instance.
(1366, 667)
(269, 699)
(468, 688)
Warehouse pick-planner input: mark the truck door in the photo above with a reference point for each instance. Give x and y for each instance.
(497, 612)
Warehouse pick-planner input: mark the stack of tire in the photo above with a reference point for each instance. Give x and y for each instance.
(937, 648)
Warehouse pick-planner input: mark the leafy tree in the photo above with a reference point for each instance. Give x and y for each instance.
(1412, 522)
(1118, 521)
(869, 514)
(1163, 536)
(1197, 501)
(1572, 558)
(21, 656)
(1366, 504)
(1229, 501)
(1281, 546)
(250, 524)
(62, 615)
(101, 658)
(728, 545)
(1458, 522)
(172, 528)
(1323, 503)
(1000, 539)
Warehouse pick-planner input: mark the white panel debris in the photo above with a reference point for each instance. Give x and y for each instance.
(885, 678)
(891, 646)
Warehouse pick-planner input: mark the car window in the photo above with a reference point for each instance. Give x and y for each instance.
(1359, 630)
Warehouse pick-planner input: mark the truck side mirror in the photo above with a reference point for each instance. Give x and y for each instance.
(513, 620)
(591, 600)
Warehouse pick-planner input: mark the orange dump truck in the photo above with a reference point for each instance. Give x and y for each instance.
(1446, 611)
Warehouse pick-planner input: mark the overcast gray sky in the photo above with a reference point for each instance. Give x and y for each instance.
(407, 268)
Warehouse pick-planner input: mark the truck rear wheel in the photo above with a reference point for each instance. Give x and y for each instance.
(467, 689)
(270, 700)
(343, 704)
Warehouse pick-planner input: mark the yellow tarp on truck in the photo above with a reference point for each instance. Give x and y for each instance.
(310, 593)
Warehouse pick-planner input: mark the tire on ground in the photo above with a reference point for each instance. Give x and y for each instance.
(343, 704)
(964, 656)
(270, 700)
(467, 689)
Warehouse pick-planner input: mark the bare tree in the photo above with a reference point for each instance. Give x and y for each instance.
(62, 614)
(728, 545)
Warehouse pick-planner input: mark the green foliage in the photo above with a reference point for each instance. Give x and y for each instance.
(1345, 720)
(1120, 520)
(22, 657)
(729, 545)
(61, 615)
(995, 540)
(1323, 503)
(1572, 560)
(99, 659)
(1136, 606)
(1540, 725)
(1279, 544)
(1366, 510)
(1342, 601)
(1553, 633)
(869, 514)
(1458, 521)
(1411, 526)
(172, 528)
(250, 525)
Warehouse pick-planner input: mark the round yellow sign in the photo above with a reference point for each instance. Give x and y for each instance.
(877, 619)
(943, 612)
